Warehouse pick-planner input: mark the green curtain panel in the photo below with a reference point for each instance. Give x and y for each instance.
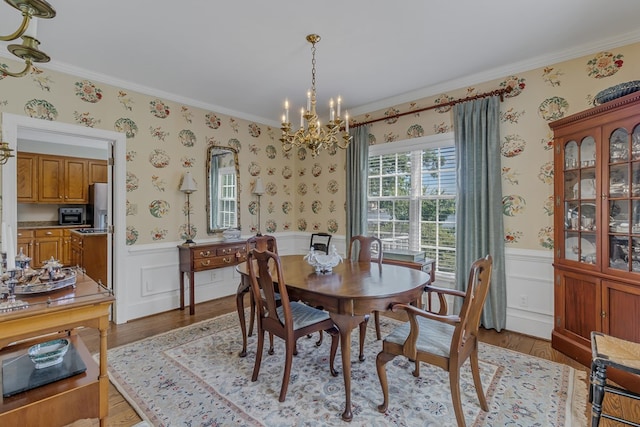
(357, 189)
(479, 222)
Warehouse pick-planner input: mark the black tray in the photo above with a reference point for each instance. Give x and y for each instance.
(20, 374)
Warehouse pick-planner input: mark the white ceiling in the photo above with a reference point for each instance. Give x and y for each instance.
(244, 57)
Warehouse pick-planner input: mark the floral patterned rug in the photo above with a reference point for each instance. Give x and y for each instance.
(193, 376)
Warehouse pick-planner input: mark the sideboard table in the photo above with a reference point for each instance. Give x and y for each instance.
(207, 256)
(53, 315)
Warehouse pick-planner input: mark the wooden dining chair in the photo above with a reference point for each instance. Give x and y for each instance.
(320, 242)
(446, 341)
(262, 243)
(288, 320)
(368, 249)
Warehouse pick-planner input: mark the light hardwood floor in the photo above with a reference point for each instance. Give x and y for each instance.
(121, 414)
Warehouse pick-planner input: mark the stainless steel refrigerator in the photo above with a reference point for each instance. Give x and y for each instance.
(97, 209)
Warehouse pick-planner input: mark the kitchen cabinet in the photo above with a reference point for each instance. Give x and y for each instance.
(597, 227)
(89, 251)
(42, 243)
(44, 178)
(27, 179)
(26, 241)
(98, 171)
(48, 244)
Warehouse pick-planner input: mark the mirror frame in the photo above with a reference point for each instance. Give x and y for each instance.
(210, 152)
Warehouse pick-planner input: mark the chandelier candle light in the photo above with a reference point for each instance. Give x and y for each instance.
(313, 136)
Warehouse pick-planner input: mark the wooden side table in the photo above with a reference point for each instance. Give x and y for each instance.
(58, 314)
(207, 256)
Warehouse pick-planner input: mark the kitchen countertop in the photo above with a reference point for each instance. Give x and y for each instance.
(48, 224)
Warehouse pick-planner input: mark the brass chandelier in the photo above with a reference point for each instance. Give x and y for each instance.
(313, 136)
(28, 50)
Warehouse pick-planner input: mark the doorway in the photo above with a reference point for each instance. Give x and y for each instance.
(17, 128)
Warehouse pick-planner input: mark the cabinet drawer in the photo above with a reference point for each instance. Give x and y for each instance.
(25, 234)
(231, 250)
(200, 264)
(205, 252)
(49, 232)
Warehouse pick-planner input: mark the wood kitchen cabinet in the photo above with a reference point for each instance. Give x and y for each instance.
(26, 241)
(597, 228)
(44, 178)
(42, 243)
(27, 179)
(48, 244)
(98, 171)
(89, 251)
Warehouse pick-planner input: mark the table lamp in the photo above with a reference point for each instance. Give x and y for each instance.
(188, 186)
(258, 190)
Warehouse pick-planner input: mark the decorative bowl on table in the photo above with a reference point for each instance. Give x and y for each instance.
(48, 353)
(323, 263)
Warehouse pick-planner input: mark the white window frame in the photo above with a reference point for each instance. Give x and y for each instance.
(415, 144)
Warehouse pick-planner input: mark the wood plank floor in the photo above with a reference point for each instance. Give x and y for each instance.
(121, 414)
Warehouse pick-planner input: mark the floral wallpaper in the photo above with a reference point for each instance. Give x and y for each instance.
(166, 139)
(538, 97)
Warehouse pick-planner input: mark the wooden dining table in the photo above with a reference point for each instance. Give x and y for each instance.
(349, 293)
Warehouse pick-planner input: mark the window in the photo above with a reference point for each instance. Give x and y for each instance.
(412, 197)
(227, 198)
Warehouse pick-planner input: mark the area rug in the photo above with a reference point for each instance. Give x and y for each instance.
(193, 376)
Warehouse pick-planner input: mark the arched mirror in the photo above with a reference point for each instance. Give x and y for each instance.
(223, 202)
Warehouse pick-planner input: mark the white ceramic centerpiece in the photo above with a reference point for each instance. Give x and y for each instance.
(323, 263)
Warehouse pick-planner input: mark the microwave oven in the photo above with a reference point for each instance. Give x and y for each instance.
(71, 216)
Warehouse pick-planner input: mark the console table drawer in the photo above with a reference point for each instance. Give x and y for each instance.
(231, 250)
(214, 262)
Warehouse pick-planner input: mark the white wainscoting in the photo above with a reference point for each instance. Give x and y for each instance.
(530, 292)
(153, 282)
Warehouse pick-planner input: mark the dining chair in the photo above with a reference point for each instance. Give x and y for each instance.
(320, 242)
(446, 341)
(368, 249)
(262, 243)
(288, 320)
(608, 351)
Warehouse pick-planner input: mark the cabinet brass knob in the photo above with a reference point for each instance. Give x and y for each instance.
(205, 263)
(226, 260)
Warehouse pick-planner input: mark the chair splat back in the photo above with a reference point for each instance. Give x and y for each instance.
(267, 280)
(369, 248)
(475, 296)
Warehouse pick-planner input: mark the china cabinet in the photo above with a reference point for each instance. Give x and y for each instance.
(597, 226)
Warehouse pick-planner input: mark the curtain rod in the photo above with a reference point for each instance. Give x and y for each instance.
(499, 92)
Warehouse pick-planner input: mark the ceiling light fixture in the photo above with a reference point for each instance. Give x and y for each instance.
(28, 50)
(311, 134)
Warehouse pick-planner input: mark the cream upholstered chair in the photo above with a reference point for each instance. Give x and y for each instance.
(608, 351)
(286, 319)
(369, 249)
(446, 341)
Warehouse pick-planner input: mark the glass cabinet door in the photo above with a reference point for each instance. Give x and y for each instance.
(580, 200)
(623, 176)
